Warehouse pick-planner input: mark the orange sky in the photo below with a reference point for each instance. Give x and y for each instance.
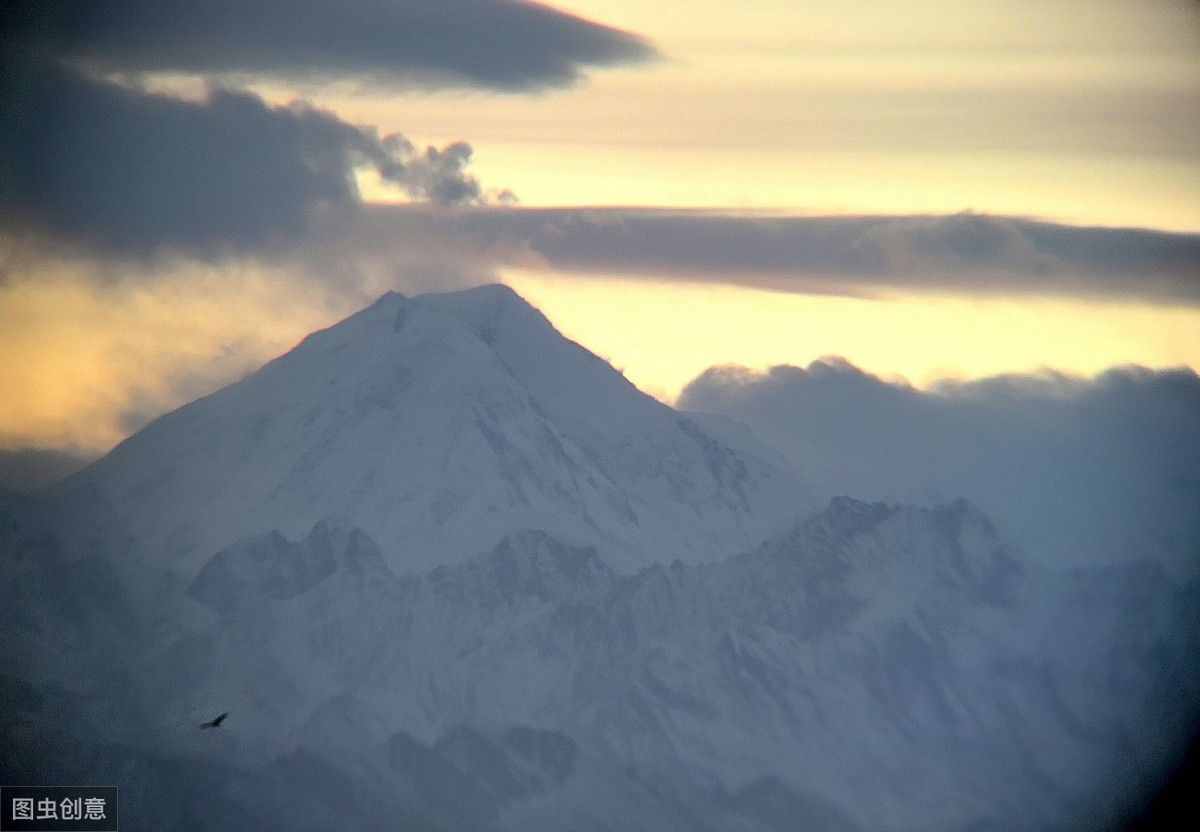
(663, 336)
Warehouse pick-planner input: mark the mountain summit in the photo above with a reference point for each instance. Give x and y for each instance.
(438, 424)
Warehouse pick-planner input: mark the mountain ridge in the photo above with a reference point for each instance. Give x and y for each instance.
(868, 621)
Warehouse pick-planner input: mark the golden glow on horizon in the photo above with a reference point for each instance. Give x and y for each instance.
(80, 358)
(664, 335)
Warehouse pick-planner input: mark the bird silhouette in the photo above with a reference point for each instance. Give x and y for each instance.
(216, 723)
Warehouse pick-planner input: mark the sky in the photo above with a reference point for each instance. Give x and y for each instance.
(1083, 112)
(931, 191)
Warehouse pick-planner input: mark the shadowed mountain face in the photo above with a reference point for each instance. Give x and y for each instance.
(438, 424)
(597, 632)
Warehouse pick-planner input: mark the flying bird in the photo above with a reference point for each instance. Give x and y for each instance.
(216, 723)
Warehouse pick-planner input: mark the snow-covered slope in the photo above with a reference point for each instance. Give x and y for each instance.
(438, 424)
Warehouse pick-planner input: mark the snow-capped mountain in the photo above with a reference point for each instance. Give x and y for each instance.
(437, 424)
(447, 570)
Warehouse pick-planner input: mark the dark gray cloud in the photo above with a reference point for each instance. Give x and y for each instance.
(122, 171)
(856, 255)
(496, 44)
(1077, 470)
(84, 160)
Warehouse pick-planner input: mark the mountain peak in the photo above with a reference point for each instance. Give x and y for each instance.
(526, 564)
(269, 567)
(487, 309)
(439, 424)
(484, 293)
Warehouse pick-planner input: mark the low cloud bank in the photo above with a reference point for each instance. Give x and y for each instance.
(1076, 470)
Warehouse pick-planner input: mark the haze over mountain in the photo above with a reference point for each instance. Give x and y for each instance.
(446, 569)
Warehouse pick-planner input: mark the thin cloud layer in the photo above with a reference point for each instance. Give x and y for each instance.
(858, 255)
(492, 44)
(1076, 470)
(123, 171)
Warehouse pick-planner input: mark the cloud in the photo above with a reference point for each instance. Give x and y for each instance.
(89, 157)
(1074, 469)
(493, 44)
(120, 170)
(855, 255)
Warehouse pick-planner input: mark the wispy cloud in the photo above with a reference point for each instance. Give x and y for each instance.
(855, 255)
